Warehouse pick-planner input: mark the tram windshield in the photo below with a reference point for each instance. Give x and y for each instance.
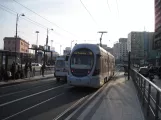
(82, 59)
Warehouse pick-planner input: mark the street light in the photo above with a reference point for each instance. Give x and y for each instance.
(17, 18)
(47, 36)
(36, 55)
(101, 36)
(47, 42)
(37, 32)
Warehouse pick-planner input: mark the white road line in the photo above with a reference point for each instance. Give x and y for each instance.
(32, 107)
(24, 90)
(71, 115)
(25, 82)
(4, 104)
(71, 107)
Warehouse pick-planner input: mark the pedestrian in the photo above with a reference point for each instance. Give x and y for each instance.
(26, 69)
(43, 69)
(151, 74)
(159, 72)
(30, 68)
(13, 70)
(2, 73)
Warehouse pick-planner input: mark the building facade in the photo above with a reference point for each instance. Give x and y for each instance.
(116, 51)
(123, 50)
(21, 45)
(67, 51)
(157, 40)
(141, 45)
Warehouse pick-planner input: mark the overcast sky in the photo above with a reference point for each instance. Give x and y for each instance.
(74, 21)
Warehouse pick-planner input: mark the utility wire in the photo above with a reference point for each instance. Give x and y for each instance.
(43, 17)
(27, 19)
(108, 6)
(88, 12)
(117, 7)
(3, 8)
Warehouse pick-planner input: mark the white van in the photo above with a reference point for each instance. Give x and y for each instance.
(61, 67)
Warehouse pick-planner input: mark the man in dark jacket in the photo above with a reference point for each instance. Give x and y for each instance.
(151, 74)
(43, 69)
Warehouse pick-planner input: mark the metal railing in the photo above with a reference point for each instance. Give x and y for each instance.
(149, 95)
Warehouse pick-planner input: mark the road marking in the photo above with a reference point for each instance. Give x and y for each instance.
(71, 115)
(4, 104)
(71, 107)
(32, 107)
(26, 89)
(29, 81)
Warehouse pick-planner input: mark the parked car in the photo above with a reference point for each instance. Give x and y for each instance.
(144, 71)
(36, 66)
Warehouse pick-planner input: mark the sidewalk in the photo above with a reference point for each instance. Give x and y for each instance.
(18, 81)
(118, 101)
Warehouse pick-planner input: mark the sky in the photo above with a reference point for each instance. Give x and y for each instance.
(70, 20)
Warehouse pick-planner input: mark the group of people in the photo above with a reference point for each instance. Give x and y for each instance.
(18, 72)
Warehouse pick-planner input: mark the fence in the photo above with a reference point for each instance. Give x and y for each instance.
(149, 95)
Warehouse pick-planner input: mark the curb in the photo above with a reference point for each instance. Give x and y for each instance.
(36, 79)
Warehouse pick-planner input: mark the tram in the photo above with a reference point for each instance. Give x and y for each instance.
(90, 65)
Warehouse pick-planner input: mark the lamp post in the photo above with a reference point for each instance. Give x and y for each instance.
(36, 56)
(47, 39)
(102, 32)
(37, 32)
(17, 18)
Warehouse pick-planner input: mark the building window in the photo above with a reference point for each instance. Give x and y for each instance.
(8, 42)
(21, 43)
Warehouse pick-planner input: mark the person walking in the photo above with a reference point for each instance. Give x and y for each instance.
(43, 69)
(26, 69)
(151, 74)
(13, 70)
(30, 68)
(2, 73)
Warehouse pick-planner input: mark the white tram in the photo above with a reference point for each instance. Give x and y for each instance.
(90, 65)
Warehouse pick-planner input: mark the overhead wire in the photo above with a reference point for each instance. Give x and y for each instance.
(43, 17)
(108, 6)
(88, 12)
(3, 8)
(117, 7)
(27, 19)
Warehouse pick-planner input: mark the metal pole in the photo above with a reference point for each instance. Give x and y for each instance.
(102, 32)
(129, 65)
(37, 32)
(16, 36)
(46, 46)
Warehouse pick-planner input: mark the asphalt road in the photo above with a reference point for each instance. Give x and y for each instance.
(39, 100)
(37, 73)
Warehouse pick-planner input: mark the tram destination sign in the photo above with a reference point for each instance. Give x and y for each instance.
(82, 53)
